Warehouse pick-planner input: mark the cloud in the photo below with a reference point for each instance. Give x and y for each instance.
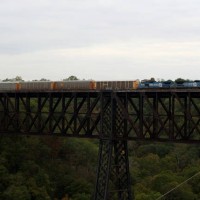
(33, 25)
(124, 60)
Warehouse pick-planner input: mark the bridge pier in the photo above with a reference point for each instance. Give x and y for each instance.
(113, 177)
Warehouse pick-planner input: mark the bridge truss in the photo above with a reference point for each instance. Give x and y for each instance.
(112, 117)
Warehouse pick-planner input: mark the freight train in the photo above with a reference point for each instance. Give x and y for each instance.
(68, 85)
(92, 85)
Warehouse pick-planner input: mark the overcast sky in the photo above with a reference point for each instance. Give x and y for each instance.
(100, 39)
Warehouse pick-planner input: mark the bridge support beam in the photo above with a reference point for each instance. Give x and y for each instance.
(113, 177)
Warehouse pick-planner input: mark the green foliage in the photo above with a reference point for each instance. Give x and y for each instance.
(65, 169)
(159, 149)
(195, 181)
(81, 196)
(149, 196)
(16, 192)
(46, 168)
(17, 78)
(158, 168)
(182, 193)
(180, 80)
(164, 181)
(71, 78)
(44, 79)
(4, 178)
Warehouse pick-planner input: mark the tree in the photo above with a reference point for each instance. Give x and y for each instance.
(4, 179)
(16, 192)
(17, 78)
(159, 149)
(71, 78)
(148, 165)
(152, 79)
(180, 80)
(195, 181)
(148, 196)
(44, 79)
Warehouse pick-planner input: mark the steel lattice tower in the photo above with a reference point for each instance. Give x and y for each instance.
(113, 177)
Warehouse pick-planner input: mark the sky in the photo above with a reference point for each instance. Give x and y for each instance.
(100, 39)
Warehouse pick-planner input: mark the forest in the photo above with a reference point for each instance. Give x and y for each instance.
(59, 168)
(44, 168)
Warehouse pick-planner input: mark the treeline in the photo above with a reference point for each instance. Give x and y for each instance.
(20, 79)
(72, 77)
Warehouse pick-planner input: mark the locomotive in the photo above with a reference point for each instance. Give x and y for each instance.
(169, 84)
(32, 86)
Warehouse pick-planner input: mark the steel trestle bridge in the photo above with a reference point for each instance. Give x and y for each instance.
(113, 117)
